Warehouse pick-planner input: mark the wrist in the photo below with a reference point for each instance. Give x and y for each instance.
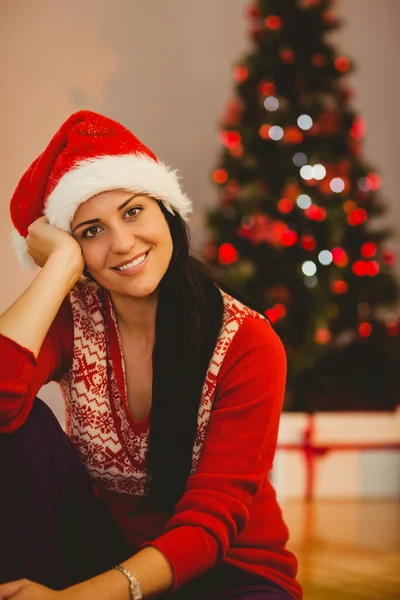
(69, 264)
(110, 585)
(135, 591)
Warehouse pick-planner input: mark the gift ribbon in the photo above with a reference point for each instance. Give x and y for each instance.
(312, 451)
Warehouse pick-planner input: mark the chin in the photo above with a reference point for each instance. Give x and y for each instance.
(142, 293)
(139, 290)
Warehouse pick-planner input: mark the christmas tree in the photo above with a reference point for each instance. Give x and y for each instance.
(292, 231)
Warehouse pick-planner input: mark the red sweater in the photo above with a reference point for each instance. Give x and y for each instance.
(229, 511)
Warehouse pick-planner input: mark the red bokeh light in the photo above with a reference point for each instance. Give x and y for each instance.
(240, 73)
(253, 11)
(365, 329)
(264, 131)
(281, 310)
(322, 335)
(359, 268)
(292, 135)
(318, 59)
(329, 17)
(308, 243)
(339, 257)
(220, 176)
(357, 130)
(315, 213)
(366, 267)
(393, 328)
(289, 238)
(278, 311)
(375, 181)
(285, 205)
(272, 314)
(268, 88)
(389, 258)
(372, 268)
(368, 250)
(357, 216)
(273, 22)
(230, 139)
(287, 55)
(339, 286)
(342, 64)
(227, 254)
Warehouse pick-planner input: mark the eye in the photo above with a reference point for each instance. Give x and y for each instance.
(133, 211)
(91, 232)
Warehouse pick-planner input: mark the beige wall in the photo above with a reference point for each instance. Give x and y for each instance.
(164, 70)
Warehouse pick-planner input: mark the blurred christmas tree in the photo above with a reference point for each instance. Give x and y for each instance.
(292, 231)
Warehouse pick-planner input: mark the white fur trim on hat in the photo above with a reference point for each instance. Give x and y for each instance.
(130, 172)
(18, 243)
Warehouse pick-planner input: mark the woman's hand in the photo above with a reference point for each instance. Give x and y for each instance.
(23, 589)
(44, 240)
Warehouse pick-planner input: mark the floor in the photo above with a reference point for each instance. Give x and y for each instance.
(346, 550)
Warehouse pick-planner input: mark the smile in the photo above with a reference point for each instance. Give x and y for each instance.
(134, 266)
(134, 263)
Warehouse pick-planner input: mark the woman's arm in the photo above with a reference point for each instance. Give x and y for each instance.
(27, 362)
(149, 566)
(236, 457)
(28, 320)
(22, 375)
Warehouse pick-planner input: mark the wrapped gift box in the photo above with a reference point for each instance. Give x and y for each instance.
(338, 455)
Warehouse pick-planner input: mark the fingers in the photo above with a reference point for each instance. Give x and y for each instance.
(38, 260)
(8, 590)
(32, 225)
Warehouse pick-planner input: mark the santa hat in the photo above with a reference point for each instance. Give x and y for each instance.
(89, 154)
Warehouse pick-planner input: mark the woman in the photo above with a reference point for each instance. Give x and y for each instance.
(173, 392)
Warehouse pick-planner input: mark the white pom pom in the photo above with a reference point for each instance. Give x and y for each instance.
(18, 243)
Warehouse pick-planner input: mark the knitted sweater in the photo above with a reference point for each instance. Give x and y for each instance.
(229, 511)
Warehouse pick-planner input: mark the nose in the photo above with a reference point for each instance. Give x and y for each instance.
(122, 240)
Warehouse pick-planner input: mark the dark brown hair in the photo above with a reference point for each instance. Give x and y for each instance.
(188, 321)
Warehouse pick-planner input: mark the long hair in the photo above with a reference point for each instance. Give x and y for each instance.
(188, 321)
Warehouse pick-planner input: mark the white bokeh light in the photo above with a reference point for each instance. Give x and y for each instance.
(311, 282)
(337, 185)
(306, 172)
(319, 172)
(305, 122)
(309, 268)
(299, 159)
(303, 201)
(275, 132)
(325, 257)
(271, 103)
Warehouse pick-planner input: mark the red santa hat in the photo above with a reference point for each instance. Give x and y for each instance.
(89, 154)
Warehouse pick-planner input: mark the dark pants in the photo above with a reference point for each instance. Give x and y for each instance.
(55, 531)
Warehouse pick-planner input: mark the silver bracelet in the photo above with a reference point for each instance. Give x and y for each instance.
(134, 585)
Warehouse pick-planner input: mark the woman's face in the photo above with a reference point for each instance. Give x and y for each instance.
(125, 241)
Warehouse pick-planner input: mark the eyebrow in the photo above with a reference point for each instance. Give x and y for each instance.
(98, 220)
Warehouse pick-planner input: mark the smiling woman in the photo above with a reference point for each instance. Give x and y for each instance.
(173, 391)
(123, 240)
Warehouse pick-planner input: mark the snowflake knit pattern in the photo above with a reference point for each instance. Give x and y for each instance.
(111, 444)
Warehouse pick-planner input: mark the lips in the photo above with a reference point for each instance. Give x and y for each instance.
(127, 262)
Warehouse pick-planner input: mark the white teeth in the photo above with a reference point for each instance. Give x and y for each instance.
(134, 263)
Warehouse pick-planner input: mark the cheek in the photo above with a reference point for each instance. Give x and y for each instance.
(167, 246)
(92, 254)
(163, 245)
